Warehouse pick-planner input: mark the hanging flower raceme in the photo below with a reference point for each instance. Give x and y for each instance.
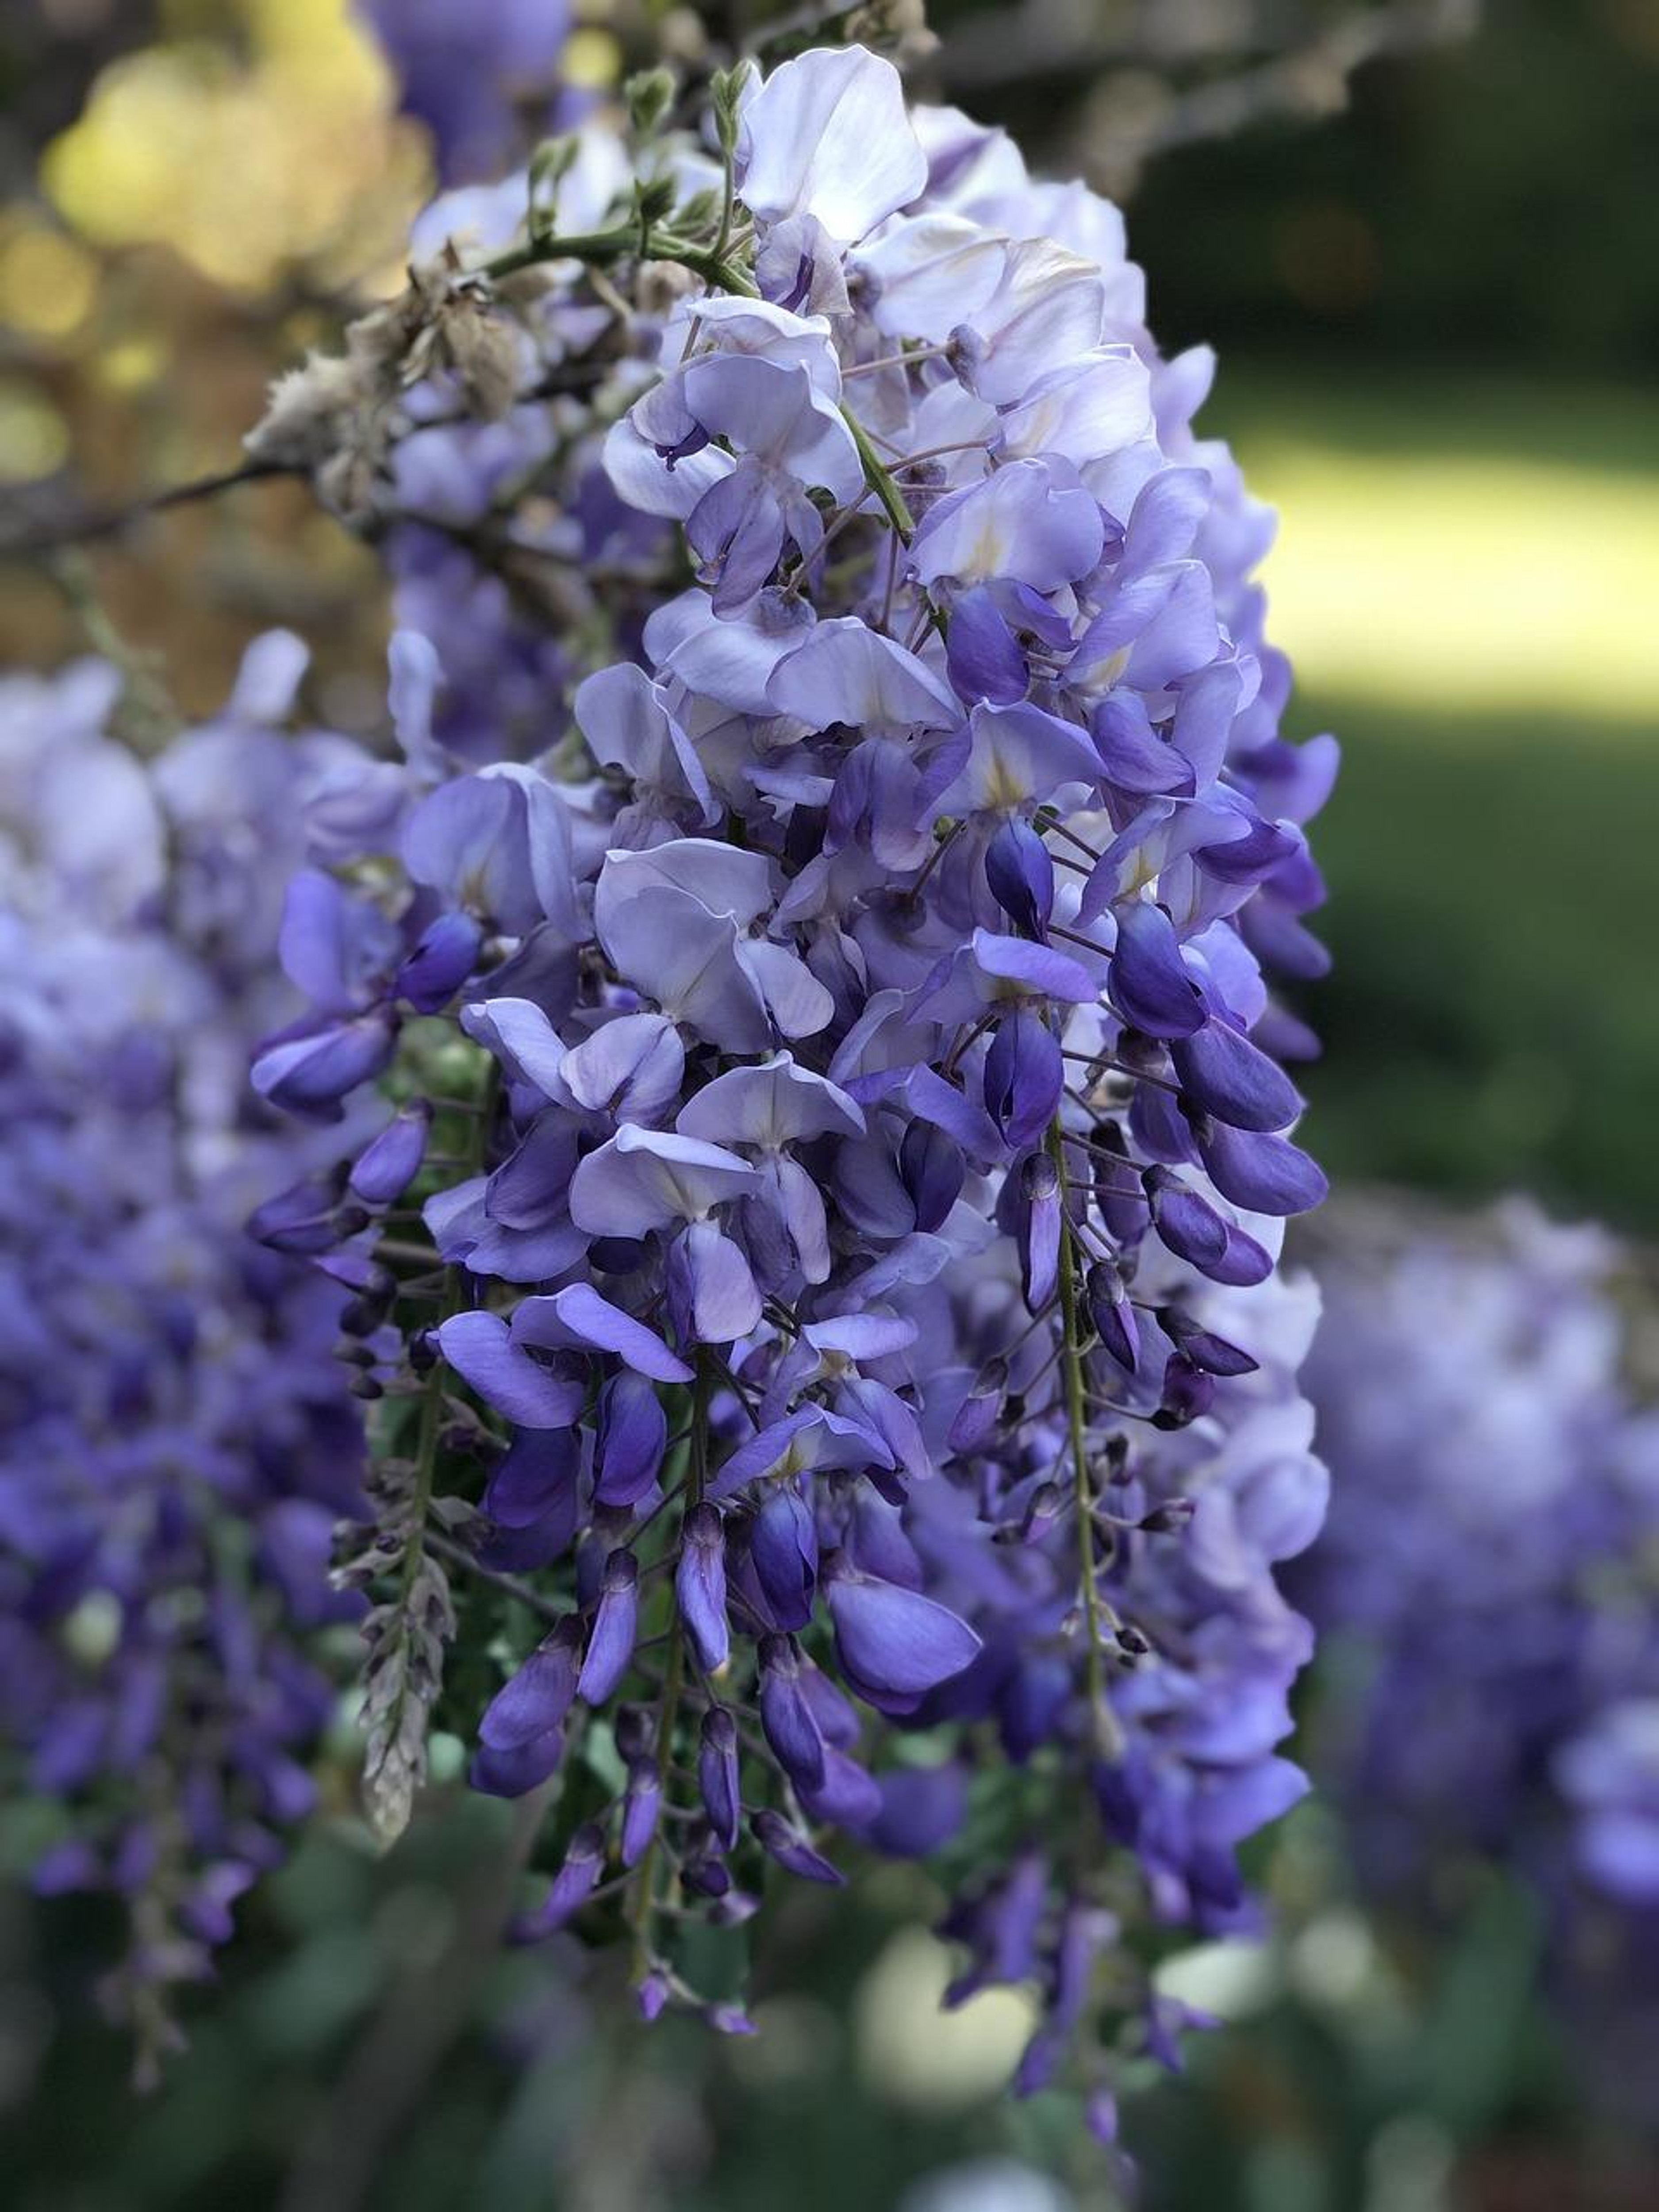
(180, 1439)
(1488, 1576)
(480, 77)
(858, 1360)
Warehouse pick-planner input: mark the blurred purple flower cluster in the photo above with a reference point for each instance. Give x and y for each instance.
(179, 1438)
(1486, 1583)
(481, 77)
(844, 1084)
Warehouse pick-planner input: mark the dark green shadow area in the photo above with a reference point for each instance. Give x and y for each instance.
(1464, 414)
(1491, 1019)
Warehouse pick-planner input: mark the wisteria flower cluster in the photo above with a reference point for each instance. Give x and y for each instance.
(179, 1437)
(1491, 1562)
(831, 1214)
(478, 78)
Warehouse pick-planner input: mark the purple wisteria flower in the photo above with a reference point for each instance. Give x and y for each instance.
(483, 78)
(180, 1438)
(1486, 1578)
(850, 1349)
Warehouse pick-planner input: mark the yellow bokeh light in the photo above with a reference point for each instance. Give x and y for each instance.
(245, 168)
(47, 282)
(131, 364)
(592, 60)
(34, 440)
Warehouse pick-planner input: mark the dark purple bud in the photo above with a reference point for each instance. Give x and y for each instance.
(1005, 1935)
(1214, 1354)
(635, 1729)
(1159, 1126)
(700, 1585)
(894, 1644)
(783, 1544)
(310, 1075)
(981, 657)
(611, 1644)
(717, 1774)
(1042, 1510)
(1100, 2116)
(571, 1885)
(790, 1727)
(518, 1769)
(1039, 1231)
(785, 1843)
(361, 1316)
(837, 1722)
(521, 1551)
(1020, 871)
(69, 1866)
(1024, 1076)
(1226, 1074)
(981, 1410)
(1168, 1519)
(921, 1808)
(1244, 1264)
(309, 1218)
(1113, 1315)
(1264, 1173)
(538, 1696)
(650, 1993)
(205, 1910)
(1150, 984)
(1039, 2062)
(641, 1810)
(848, 1795)
(633, 1434)
(933, 1171)
(1187, 1393)
(1187, 1224)
(536, 1481)
(386, 1167)
(440, 965)
(703, 1871)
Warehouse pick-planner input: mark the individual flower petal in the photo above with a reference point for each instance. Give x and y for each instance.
(536, 1697)
(894, 1642)
(646, 1179)
(781, 1840)
(783, 1546)
(386, 1167)
(1024, 1076)
(717, 1775)
(611, 1646)
(1229, 1078)
(827, 135)
(633, 1435)
(1264, 1173)
(578, 1318)
(700, 1586)
(1150, 984)
(480, 1348)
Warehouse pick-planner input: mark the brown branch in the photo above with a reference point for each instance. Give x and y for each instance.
(88, 527)
(85, 529)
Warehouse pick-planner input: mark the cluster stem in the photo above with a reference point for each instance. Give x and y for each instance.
(1100, 1718)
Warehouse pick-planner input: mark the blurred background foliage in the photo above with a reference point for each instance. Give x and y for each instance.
(1434, 281)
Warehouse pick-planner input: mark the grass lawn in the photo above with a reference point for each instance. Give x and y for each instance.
(1493, 1019)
